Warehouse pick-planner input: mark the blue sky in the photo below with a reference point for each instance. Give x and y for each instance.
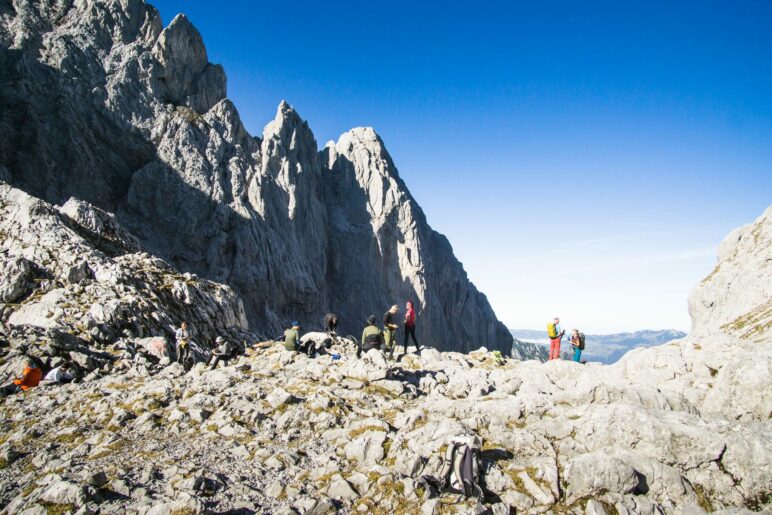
(584, 158)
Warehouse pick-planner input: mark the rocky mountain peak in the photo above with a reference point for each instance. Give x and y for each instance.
(736, 297)
(287, 126)
(186, 76)
(148, 135)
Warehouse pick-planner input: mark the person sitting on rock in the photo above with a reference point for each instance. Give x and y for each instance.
(389, 330)
(224, 351)
(372, 337)
(292, 337)
(331, 324)
(61, 374)
(30, 378)
(183, 343)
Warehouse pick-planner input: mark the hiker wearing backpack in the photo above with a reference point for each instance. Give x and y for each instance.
(372, 337)
(577, 343)
(555, 334)
(410, 326)
(389, 330)
(182, 335)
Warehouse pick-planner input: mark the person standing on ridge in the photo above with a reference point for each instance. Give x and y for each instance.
(182, 335)
(372, 337)
(555, 334)
(410, 326)
(389, 330)
(577, 343)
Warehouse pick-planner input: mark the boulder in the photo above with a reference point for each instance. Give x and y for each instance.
(16, 279)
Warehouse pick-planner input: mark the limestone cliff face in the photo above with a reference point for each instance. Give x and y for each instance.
(99, 102)
(736, 298)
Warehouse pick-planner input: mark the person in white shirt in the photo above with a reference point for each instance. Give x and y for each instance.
(60, 374)
(183, 343)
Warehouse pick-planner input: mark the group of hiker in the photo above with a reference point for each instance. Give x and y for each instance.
(556, 333)
(32, 376)
(223, 352)
(373, 337)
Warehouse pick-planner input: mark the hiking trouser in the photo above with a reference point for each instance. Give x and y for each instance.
(577, 354)
(410, 331)
(555, 348)
(389, 341)
(183, 353)
(9, 389)
(215, 359)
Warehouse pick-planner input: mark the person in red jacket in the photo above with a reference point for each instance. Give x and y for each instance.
(29, 379)
(410, 326)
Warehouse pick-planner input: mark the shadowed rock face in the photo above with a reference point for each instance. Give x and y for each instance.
(101, 103)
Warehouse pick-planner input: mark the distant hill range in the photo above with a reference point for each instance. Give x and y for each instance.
(604, 348)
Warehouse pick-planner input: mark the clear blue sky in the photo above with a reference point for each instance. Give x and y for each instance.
(584, 158)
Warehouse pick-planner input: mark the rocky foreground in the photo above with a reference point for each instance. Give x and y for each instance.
(666, 430)
(680, 428)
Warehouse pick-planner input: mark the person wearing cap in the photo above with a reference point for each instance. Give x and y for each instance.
(389, 330)
(292, 337)
(372, 337)
(223, 352)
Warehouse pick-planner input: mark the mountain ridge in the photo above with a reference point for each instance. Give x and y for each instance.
(141, 119)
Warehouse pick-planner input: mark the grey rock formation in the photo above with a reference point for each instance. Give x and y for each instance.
(83, 286)
(103, 105)
(731, 300)
(679, 428)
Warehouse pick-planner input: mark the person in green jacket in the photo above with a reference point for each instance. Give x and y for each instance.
(372, 337)
(292, 337)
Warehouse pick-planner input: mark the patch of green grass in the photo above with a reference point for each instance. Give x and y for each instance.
(361, 430)
(702, 498)
(753, 324)
(57, 509)
(29, 489)
(759, 502)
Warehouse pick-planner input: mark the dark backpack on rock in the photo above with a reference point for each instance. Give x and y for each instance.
(461, 470)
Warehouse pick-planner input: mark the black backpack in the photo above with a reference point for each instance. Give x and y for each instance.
(461, 471)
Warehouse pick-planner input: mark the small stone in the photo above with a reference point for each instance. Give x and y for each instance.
(97, 479)
(340, 489)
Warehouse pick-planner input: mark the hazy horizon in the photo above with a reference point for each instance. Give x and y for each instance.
(583, 161)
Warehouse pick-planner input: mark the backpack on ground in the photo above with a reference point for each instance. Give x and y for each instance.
(552, 330)
(581, 341)
(461, 471)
